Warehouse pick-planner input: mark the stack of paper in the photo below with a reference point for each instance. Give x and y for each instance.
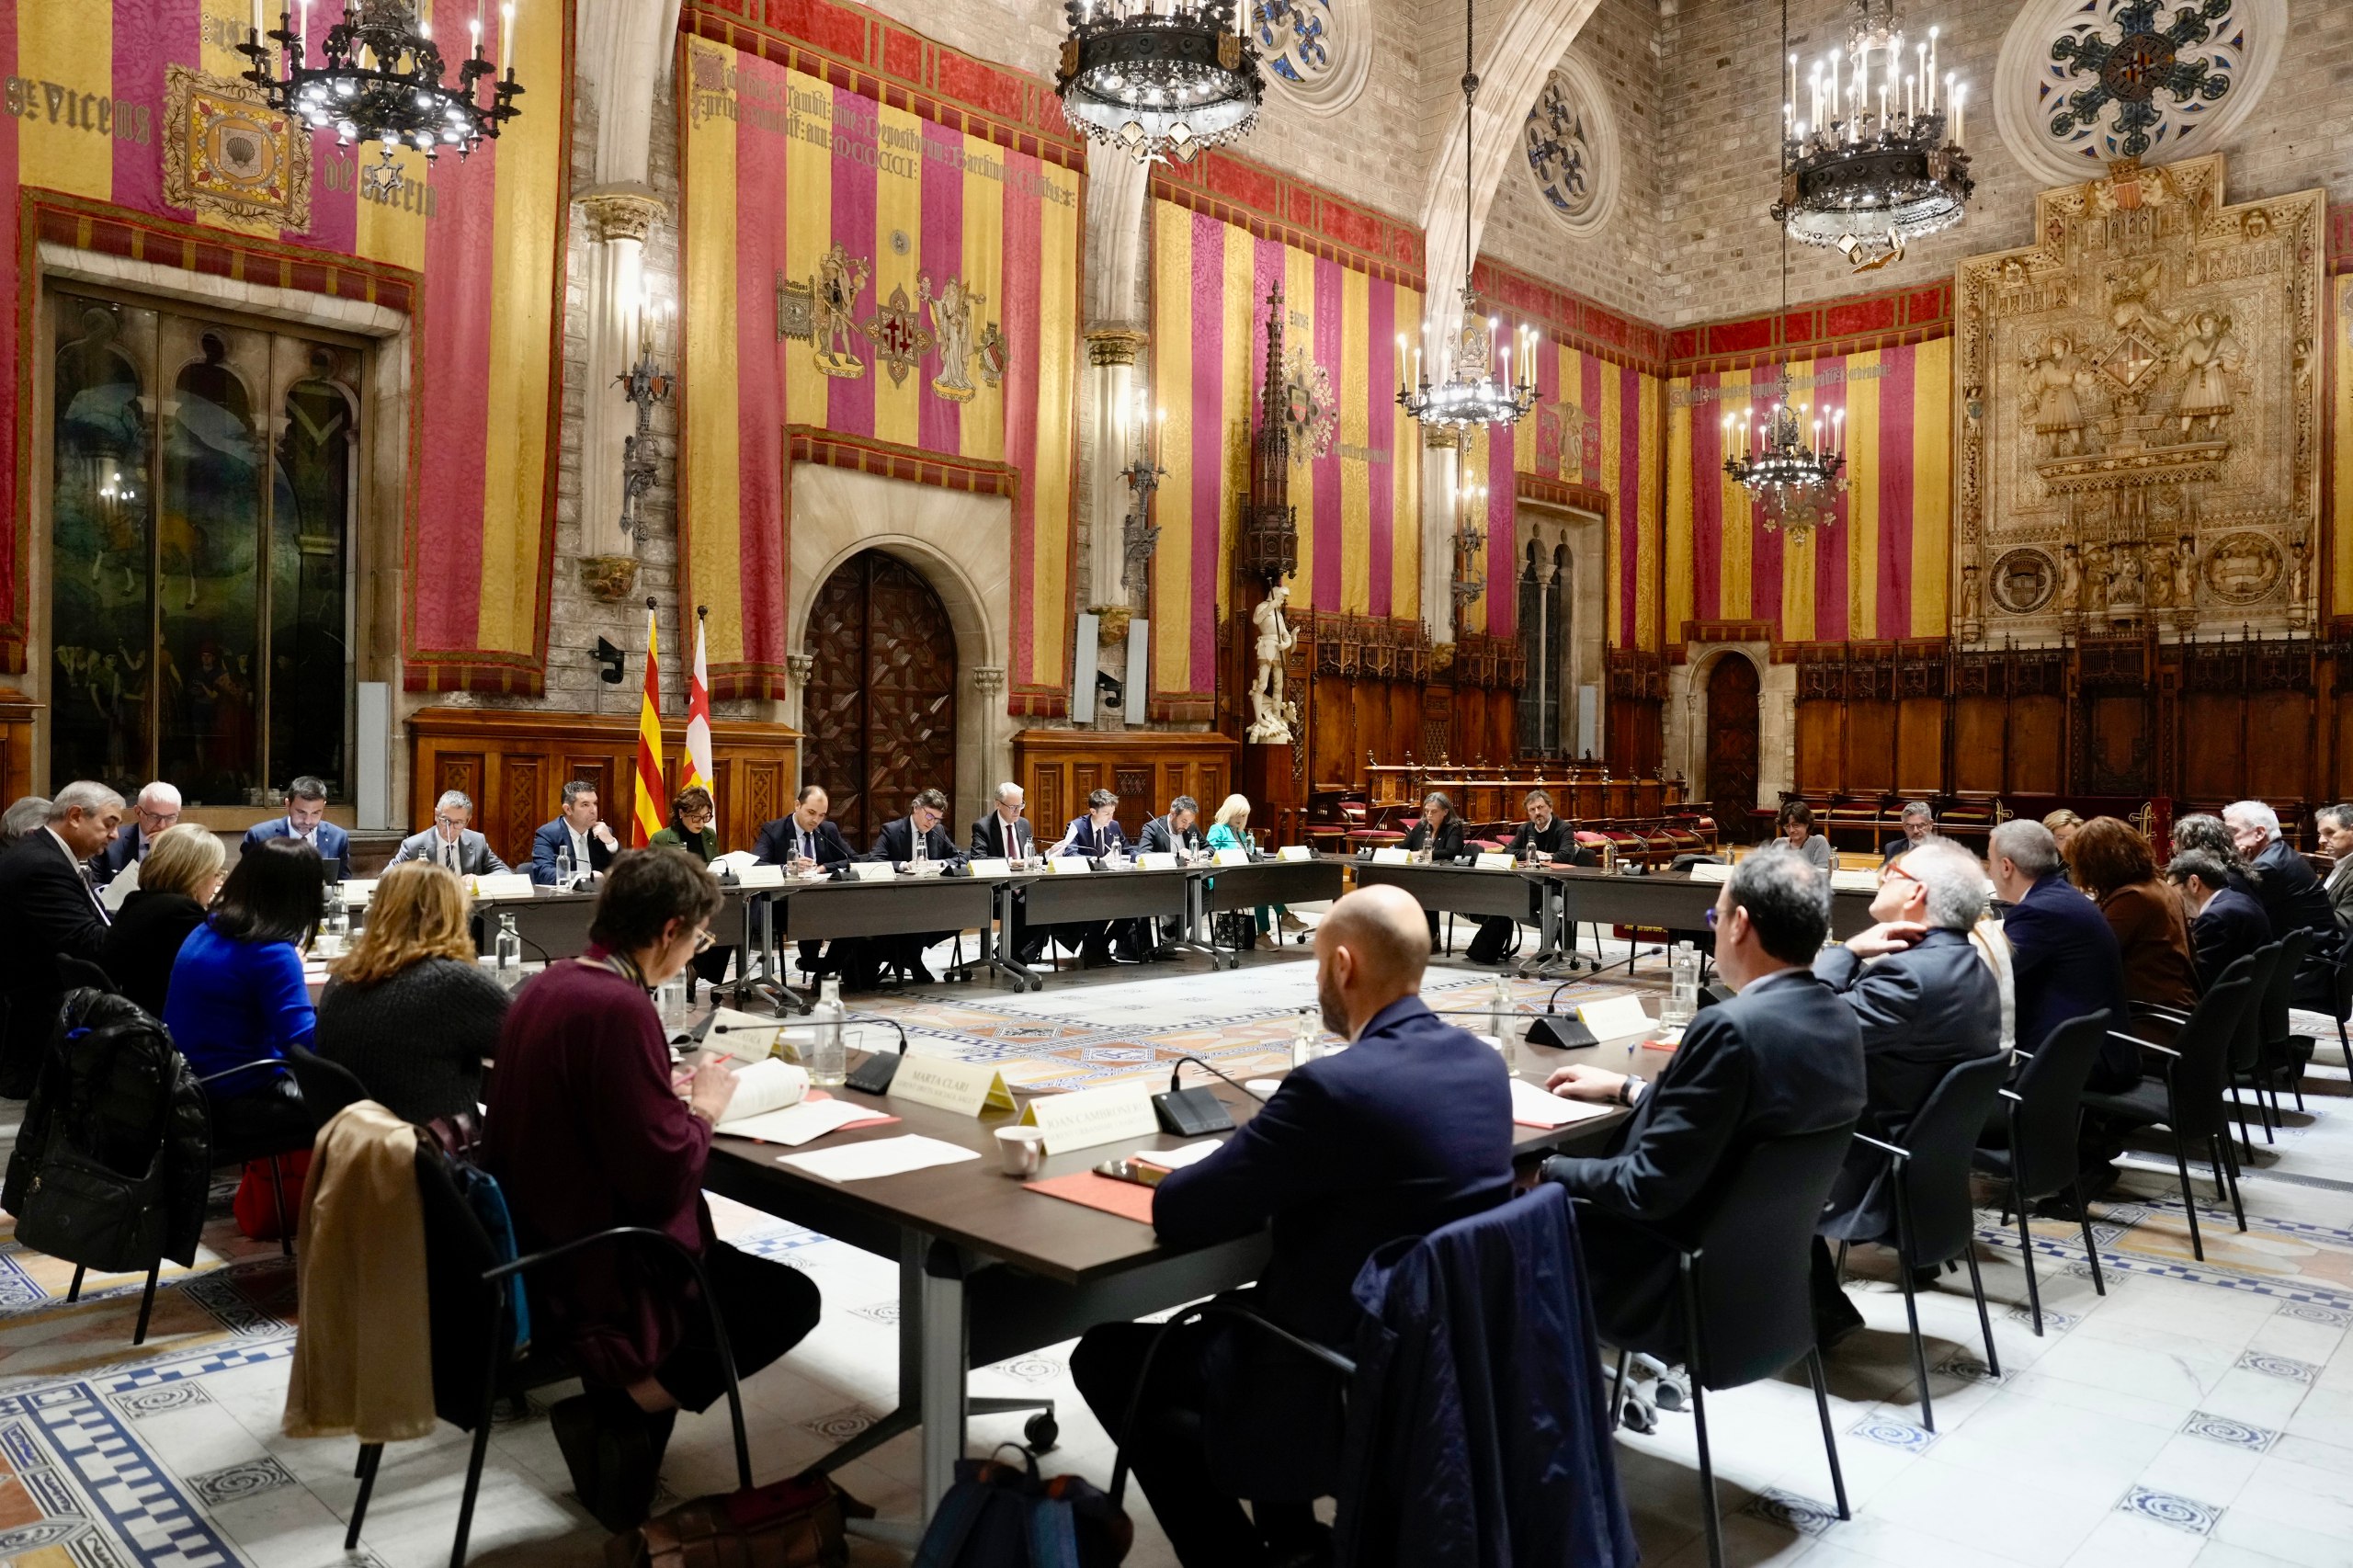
(1183, 1154)
(762, 1087)
(879, 1157)
(797, 1124)
(1533, 1107)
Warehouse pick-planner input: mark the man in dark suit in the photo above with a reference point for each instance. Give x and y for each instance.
(47, 908)
(2064, 960)
(306, 820)
(1919, 820)
(2333, 824)
(1404, 1132)
(157, 808)
(1925, 1004)
(1542, 837)
(449, 843)
(2290, 893)
(2225, 925)
(1179, 829)
(1094, 835)
(1003, 833)
(897, 844)
(805, 841)
(579, 830)
(1783, 1056)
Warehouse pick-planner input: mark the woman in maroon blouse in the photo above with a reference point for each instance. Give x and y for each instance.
(587, 1129)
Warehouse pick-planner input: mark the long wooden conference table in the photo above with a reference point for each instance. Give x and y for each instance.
(988, 1270)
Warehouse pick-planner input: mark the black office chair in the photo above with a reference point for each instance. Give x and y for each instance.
(2340, 1000)
(239, 1152)
(1746, 1292)
(327, 1086)
(76, 974)
(474, 1356)
(2186, 1099)
(2281, 1057)
(1934, 1222)
(2040, 1156)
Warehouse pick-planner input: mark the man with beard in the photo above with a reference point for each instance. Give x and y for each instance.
(1408, 1131)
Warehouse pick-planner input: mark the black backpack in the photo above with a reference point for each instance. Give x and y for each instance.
(109, 1170)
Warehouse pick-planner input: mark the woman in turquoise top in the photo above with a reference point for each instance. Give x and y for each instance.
(1230, 829)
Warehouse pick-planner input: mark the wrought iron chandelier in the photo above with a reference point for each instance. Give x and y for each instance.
(1475, 392)
(1871, 155)
(1160, 79)
(382, 82)
(1470, 542)
(1793, 463)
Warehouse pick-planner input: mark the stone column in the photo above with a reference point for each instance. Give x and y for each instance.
(620, 217)
(993, 764)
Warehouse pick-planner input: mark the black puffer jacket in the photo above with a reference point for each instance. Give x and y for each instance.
(114, 1091)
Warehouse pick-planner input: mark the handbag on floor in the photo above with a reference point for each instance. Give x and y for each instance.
(1002, 1516)
(794, 1523)
(256, 1204)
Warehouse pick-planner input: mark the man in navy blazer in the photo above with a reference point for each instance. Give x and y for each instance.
(2064, 962)
(803, 839)
(306, 818)
(580, 830)
(1094, 835)
(157, 808)
(1783, 1056)
(48, 908)
(1406, 1132)
(2291, 893)
(2225, 925)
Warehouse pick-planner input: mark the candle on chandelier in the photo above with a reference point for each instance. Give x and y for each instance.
(1927, 82)
(1401, 362)
(474, 30)
(506, 38)
(1960, 112)
(1928, 70)
(1834, 85)
(1838, 430)
(257, 18)
(1908, 110)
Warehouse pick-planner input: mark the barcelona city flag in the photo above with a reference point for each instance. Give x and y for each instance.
(698, 769)
(646, 819)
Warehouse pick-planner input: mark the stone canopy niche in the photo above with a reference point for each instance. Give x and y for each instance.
(2139, 396)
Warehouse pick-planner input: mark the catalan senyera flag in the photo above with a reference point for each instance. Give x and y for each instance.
(116, 108)
(1881, 570)
(645, 821)
(959, 256)
(1360, 550)
(698, 769)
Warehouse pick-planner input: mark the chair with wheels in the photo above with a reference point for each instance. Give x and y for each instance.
(1747, 1312)
(327, 1086)
(1934, 1222)
(2041, 1153)
(2187, 1098)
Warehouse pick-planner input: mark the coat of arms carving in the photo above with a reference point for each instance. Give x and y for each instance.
(2142, 413)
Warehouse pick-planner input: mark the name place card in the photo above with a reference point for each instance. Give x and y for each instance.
(1234, 857)
(1000, 867)
(1392, 855)
(961, 1088)
(873, 871)
(1158, 860)
(356, 892)
(1709, 871)
(760, 876)
(1087, 1116)
(514, 884)
(1493, 860)
(1855, 882)
(1295, 852)
(1069, 864)
(1614, 1018)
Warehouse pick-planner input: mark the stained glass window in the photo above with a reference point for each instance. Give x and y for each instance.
(201, 516)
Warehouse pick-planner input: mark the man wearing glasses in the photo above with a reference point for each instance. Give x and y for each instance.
(157, 808)
(450, 844)
(1926, 1002)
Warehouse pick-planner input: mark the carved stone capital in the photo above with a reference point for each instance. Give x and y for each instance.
(623, 212)
(1111, 622)
(799, 667)
(988, 680)
(609, 578)
(1115, 345)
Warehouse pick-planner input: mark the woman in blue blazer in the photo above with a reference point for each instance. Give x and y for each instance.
(237, 993)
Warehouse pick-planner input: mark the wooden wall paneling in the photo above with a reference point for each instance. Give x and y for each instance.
(2211, 762)
(2117, 744)
(2278, 744)
(16, 716)
(1147, 768)
(1870, 747)
(2038, 750)
(1981, 731)
(1822, 748)
(521, 760)
(1920, 746)
(2341, 782)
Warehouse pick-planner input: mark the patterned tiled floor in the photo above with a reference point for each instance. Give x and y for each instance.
(2198, 1414)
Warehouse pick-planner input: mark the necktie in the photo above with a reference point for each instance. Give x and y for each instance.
(808, 844)
(449, 856)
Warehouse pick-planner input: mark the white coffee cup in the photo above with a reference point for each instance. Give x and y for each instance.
(1022, 1150)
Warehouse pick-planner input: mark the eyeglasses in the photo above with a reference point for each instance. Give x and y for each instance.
(1711, 917)
(704, 942)
(1891, 871)
(451, 822)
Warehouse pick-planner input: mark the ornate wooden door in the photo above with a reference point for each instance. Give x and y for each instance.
(881, 707)
(1732, 744)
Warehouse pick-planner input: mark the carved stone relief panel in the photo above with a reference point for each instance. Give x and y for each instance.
(2141, 412)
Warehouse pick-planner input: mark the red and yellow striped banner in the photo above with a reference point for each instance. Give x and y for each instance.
(961, 252)
(1881, 570)
(90, 90)
(645, 816)
(1359, 548)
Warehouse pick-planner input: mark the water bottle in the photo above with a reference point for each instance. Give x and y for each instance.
(1500, 1018)
(1304, 1033)
(1682, 1002)
(828, 1057)
(916, 864)
(335, 922)
(508, 951)
(564, 870)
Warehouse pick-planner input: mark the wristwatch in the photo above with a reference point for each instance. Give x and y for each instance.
(1626, 1090)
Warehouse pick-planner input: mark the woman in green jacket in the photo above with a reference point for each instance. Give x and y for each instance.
(694, 827)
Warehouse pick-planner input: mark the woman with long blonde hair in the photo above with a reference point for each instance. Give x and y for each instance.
(409, 1010)
(1230, 829)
